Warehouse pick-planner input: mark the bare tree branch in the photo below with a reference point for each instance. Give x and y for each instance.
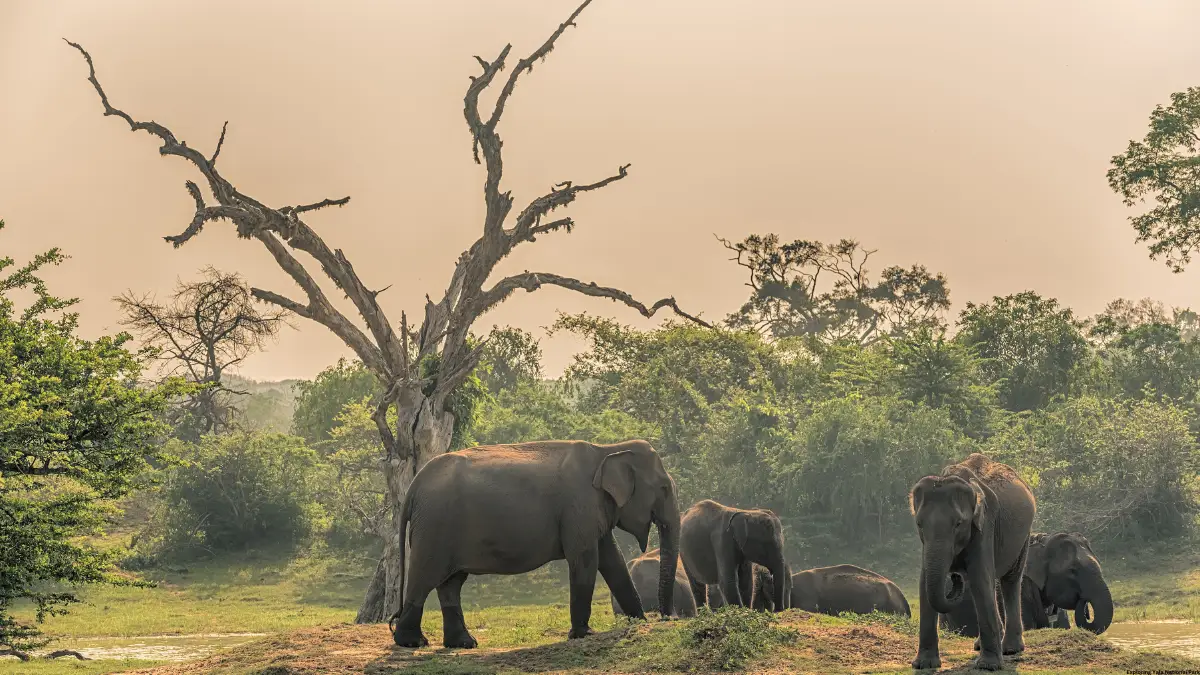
(531, 281)
(220, 142)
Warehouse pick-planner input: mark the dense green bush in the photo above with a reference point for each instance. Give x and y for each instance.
(1114, 470)
(237, 491)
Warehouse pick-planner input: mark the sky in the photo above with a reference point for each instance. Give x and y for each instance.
(972, 138)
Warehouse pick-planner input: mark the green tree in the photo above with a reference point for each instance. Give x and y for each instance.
(321, 400)
(1165, 168)
(76, 432)
(824, 292)
(1033, 348)
(510, 357)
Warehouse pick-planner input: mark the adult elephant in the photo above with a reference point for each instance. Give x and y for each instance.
(644, 571)
(720, 544)
(846, 588)
(509, 509)
(1061, 571)
(974, 522)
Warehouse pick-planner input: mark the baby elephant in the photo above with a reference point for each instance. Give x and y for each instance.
(762, 596)
(846, 588)
(644, 571)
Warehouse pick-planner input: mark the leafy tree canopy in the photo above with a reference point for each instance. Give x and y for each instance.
(76, 430)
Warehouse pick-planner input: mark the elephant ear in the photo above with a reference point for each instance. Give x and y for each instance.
(616, 476)
(980, 506)
(739, 527)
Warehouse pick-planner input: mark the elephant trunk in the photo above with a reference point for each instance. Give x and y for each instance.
(935, 569)
(1093, 591)
(668, 559)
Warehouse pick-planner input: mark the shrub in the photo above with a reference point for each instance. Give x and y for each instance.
(1114, 470)
(238, 491)
(730, 636)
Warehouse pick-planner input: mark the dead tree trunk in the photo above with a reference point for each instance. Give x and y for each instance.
(401, 360)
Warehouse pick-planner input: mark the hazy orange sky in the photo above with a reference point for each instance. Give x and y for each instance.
(970, 137)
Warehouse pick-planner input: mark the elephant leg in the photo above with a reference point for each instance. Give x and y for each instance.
(699, 592)
(746, 584)
(407, 632)
(454, 625)
(927, 644)
(612, 567)
(982, 586)
(727, 576)
(583, 568)
(1010, 592)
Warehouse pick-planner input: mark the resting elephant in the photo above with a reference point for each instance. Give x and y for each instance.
(1061, 571)
(644, 571)
(509, 509)
(974, 521)
(846, 588)
(719, 545)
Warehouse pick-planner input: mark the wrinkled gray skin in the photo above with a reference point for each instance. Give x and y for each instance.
(509, 509)
(644, 572)
(974, 522)
(846, 588)
(1061, 571)
(719, 544)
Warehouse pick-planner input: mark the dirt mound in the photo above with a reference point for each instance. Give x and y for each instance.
(821, 645)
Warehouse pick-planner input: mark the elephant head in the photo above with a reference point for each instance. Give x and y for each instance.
(949, 511)
(759, 535)
(644, 494)
(1067, 574)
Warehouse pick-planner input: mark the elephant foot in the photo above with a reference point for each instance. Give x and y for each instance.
(410, 639)
(989, 662)
(460, 640)
(577, 633)
(1014, 648)
(927, 661)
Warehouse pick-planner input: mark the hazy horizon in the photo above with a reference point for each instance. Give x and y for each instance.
(973, 139)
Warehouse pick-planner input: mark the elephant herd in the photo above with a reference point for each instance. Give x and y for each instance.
(733, 557)
(509, 509)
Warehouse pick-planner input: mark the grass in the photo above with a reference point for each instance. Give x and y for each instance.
(532, 639)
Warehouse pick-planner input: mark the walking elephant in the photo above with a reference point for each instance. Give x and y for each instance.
(1061, 571)
(846, 588)
(974, 522)
(509, 509)
(720, 544)
(644, 572)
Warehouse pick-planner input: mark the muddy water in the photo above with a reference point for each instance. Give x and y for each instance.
(1177, 637)
(156, 647)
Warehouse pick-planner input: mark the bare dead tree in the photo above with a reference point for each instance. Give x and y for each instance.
(418, 394)
(208, 327)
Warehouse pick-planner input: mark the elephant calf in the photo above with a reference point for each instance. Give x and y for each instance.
(644, 571)
(720, 544)
(846, 588)
(762, 594)
(1060, 571)
(509, 509)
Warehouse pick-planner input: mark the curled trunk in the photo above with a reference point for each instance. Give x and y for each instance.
(935, 570)
(1093, 591)
(668, 560)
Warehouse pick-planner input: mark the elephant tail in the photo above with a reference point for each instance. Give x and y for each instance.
(405, 514)
(904, 602)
